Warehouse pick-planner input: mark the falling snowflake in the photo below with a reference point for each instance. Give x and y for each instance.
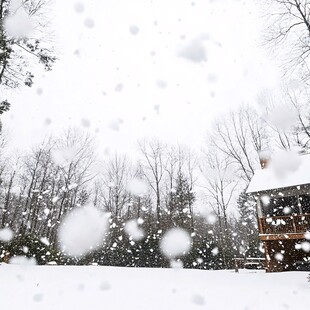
(137, 187)
(279, 257)
(305, 246)
(89, 23)
(79, 7)
(133, 230)
(175, 242)
(134, 30)
(85, 122)
(194, 51)
(83, 230)
(198, 299)
(23, 260)
(19, 24)
(6, 234)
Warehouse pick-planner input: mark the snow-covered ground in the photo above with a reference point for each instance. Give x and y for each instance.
(96, 287)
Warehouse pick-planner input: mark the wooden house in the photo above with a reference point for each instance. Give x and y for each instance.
(283, 213)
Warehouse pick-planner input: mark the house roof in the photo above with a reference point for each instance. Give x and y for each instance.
(270, 178)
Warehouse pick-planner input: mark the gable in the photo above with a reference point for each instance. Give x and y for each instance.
(267, 179)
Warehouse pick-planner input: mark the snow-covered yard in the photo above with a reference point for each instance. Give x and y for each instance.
(96, 287)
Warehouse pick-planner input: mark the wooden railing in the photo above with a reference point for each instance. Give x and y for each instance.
(285, 224)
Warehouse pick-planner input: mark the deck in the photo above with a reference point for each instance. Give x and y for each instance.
(284, 227)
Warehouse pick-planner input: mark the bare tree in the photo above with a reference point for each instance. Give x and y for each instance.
(220, 183)
(293, 131)
(220, 186)
(179, 181)
(279, 132)
(77, 158)
(241, 136)
(299, 101)
(51, 180)
(112, 185)
(289, 23)
(153, 167)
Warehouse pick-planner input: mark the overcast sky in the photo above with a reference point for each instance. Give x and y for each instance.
(130, 69)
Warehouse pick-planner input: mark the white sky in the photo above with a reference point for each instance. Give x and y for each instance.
(93, 61)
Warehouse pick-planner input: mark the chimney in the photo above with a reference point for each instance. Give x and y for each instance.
(264, 158)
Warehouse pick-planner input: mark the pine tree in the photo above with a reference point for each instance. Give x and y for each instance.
(18, 51)
(247, 226)
(182, 199)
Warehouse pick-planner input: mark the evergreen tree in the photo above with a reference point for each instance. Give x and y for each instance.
(18, 49)
(182, 199)
(246, 227)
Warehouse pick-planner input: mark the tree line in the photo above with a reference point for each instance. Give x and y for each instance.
(40, 187)
(202, 192)
(166, 186)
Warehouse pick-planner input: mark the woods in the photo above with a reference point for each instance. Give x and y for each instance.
(24, 41)
(154, 154)
(166, 185)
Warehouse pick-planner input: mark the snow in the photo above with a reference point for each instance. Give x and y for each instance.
(55, 199)
(46, 211)
(157, 108)
(6, 234)
(115, 124)
(119, 87)
(176, 263)
(83, 230)
(265, 200)
(14, 5)
(175, 242)
(284, 163)
(194, 51)
(79, 7)
(137, 187)
(23, 261)
(305, 246)
(89, 23)
(72, 186)
(307, 235)
(19, 24)
(64, 156)
(198, 299)
(282, 117)
(134, 30)
(215, 251)
(133, 230)
(161, 84)
(285, 170)
(45, 241)
(96, 287)
(287, 210)
(211, 218)
(279, 257)
(85, 122)
(47, 121)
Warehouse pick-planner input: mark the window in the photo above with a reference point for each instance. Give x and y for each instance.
(282, 206)
(304, 202)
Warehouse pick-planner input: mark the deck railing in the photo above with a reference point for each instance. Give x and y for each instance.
(285, 224)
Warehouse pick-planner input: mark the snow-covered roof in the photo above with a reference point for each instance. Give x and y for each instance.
(287, 172)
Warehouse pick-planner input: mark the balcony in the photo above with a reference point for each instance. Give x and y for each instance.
(284, 227)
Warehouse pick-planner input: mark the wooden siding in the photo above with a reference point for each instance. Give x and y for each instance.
(279, 225)
(291, 256)
(280, 237)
